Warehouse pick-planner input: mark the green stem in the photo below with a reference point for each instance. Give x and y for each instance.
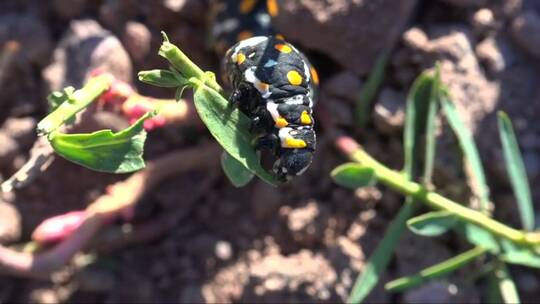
(398, 182)
(184, 65)
(435, 271)
(75, 103)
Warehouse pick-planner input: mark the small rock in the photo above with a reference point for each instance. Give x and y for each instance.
(525, 30)
(389, 112)
(415, 38)
(223, 250)
(483, 21)
(354, 33)
(137, 39)
(10, 223)
(85, 47)
(306, 223)
(489, 54)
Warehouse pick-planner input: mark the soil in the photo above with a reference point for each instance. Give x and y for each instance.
(302, 242)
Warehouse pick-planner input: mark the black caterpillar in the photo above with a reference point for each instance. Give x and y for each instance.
(273, 84)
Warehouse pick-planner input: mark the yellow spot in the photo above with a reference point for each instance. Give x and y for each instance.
(314, 75)
(273, 8)
(281, 122)
(294, 143)
(247, 6)
(283, 48)
(264, 87)
(240, 58)
(305, 119)
(243, 35)
(294, 78)
(281, 37)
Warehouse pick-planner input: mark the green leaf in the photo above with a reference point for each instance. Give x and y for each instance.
(502, 288)
(432, 223)
(435, 271)
(353, 176)
(478, 236)
(379, 259)
(516, 171)
(433, 108)
(416, 119)
(235, 171)
(162, 78)
(470, 151)
(104, 150)
(230, 128)
(370, 89)
(416, 116)
(74, 102)
(518, 254)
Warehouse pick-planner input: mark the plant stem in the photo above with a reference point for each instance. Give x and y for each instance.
(184, 65)
(397, 181)
(79, 100)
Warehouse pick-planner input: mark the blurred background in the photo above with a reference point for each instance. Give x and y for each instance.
(305, 241)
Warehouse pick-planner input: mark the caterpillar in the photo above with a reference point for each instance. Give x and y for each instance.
(273, 84)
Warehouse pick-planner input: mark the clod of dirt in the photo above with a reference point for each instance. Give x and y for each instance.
(137, 39)
(8, 149)
(489, 53)
(334, 28)
(307, 223)
(31, 33)
(85, 47)
(10, 223)
(389, 111)
(526, 32)
(483, 21)
(344, 85)
(22, 130)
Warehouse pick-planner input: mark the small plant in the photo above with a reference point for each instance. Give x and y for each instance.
(493, 242)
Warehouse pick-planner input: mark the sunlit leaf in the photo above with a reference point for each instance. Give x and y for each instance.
(416, 119)
(380, 258)
(230, 128)
(432, 223)
(238, 175)
(516, 171)
(518, 254)
(353, 176)
(162, 78)
(104, 150)
(470, 151)
(478, 236)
